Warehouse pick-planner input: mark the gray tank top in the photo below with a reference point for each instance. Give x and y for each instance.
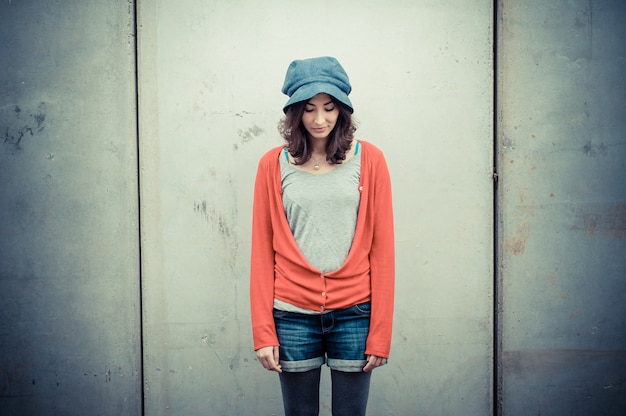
(322, 210)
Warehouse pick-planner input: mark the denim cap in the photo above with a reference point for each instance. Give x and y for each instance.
(308, 77)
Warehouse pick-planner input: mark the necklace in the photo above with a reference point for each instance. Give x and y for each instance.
(316, 166)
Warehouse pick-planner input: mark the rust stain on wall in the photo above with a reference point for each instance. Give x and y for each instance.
(537, 361)
(601, 220)
(517, 243)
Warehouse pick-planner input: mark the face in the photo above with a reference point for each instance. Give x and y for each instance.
(320, 116)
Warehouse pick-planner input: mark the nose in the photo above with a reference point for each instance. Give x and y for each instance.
(319, 118)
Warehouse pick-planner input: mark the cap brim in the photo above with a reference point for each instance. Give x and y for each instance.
(309, 91)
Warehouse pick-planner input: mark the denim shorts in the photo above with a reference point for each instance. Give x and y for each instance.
(336, 338)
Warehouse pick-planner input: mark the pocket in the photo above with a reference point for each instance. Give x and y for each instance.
(363, 308)
(280, 314)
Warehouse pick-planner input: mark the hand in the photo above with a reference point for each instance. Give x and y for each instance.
(268, 357)
(374, 361)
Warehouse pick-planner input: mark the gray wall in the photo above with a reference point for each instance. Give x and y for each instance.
(73, 301)
(69, 278)
(562, 205)
(210, 77)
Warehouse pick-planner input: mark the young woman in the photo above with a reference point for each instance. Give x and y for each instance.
(322, 264)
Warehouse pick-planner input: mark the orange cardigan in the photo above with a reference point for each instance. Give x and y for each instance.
(279, 270)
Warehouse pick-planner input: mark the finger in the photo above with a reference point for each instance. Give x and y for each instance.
(277, 367)
(276, 357)
(272, 365)
(370, 364)
(373, 362)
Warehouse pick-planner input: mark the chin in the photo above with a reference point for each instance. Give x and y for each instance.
(316, 135)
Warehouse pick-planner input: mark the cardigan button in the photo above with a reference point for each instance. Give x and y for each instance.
(323, 293)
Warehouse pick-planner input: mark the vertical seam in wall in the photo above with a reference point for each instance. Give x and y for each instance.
(497, 339)
(140, 262)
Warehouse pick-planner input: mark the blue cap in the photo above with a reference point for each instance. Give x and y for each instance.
(308, 77)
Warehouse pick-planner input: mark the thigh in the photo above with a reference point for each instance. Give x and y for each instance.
(300, 337)
(347, 339)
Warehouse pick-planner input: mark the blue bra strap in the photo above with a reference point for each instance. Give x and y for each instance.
(286, 154)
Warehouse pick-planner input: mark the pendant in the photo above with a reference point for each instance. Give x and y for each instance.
(316, 166)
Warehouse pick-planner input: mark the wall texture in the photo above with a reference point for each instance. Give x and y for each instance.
(562, 199)
(209, 76)
(69, 278)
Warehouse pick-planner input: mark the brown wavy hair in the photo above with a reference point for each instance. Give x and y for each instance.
(339, 140)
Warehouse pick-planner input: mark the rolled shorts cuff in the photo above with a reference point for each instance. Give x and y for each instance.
(301, 365)
(348, 366)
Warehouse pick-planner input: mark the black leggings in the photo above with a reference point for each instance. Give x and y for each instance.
(301, 392)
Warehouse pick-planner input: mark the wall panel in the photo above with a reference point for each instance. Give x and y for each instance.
(562, 198)
(210, 77)
(69, 275)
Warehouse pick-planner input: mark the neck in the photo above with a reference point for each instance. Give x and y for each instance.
(318, 148)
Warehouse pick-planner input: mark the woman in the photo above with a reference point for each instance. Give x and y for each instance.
(322, 265)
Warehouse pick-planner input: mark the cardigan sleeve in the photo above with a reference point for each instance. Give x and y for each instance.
(382, 261)
(262, 260)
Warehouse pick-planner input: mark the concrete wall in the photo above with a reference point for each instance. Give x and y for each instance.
(69, 278)
(562, 205)
(210, 78)
(209, 82)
